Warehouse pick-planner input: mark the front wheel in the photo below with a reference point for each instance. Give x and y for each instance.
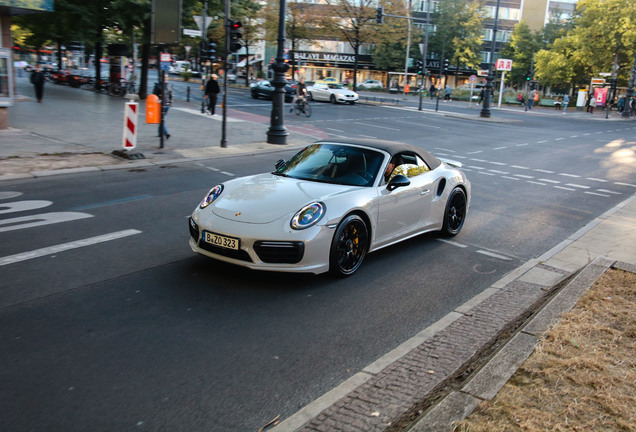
(114, 89)
(307, 110)
(455, 213)
(349, 246)
(332, 99)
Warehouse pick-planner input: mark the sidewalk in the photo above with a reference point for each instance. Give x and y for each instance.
(429, 380)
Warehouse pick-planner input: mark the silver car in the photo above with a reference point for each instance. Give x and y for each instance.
(329, 205)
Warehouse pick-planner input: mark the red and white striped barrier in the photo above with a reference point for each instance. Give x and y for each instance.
(129, 140)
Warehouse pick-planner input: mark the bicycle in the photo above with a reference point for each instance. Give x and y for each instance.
(302, 106)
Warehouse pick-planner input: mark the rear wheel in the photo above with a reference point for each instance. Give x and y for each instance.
(349, 246)
(307, 110)
(455, 213)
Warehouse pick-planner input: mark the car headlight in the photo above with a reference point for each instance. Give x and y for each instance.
(211, 196)
(308, 216)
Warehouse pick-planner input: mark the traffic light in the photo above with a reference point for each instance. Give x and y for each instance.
(203, 50)
(419, 67)
(211, 50)
(235, 36)
(446, 64)
(379, 15)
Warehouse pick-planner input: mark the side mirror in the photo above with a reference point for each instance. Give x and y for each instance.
(398, 181)
(279, 163)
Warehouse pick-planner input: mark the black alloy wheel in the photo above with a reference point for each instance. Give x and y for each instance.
(332, 99)
(349, 246)
(455, 213)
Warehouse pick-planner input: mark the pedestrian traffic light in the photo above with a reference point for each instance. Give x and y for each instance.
(446, 64)
(379, 15)
(235, 35)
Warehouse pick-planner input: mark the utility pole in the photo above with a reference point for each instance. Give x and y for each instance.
(226, 21)
(277, 134)
(485, 111)
(408, 49)
(425, 51)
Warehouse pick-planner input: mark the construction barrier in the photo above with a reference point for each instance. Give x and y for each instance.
(129, 140)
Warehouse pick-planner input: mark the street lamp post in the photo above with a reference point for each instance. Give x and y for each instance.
(485, 111)
(630, 91)
(277, 134)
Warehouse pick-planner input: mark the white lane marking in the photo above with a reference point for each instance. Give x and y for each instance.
(40, 219)
(524, 176)
(499, 172)
(510, 178)
(494, 255)
(598, 180)
(450, 242)
(19, 206)
(476, 152)
(608, 191)
(227, 173)
(380, 127)
(478, 160)
(443, 149)
(625, 184)
(543, 171)
(499, 148)
(549, 181)
(497, 163)
(11, 259)
(519, 167)
(476, 167)
(574, 185)
(542, 141)
(564, 188)
(597, 194)
(569, 175)
(485, 173)
(574, 136)
(336, 130)
(537, 183)
(559, 139)
(9, 195)
(200, 114)
(521, 145)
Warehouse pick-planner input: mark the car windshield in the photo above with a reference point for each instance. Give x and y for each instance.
(335, 86)
(334, 163)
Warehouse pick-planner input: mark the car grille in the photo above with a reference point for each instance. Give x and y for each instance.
(282, 252)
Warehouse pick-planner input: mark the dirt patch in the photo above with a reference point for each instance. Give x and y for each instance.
(581, 377)
(23, 165)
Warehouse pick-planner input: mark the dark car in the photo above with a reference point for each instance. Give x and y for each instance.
(266, 89)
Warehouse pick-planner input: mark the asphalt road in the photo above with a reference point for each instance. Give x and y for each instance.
(133, 331)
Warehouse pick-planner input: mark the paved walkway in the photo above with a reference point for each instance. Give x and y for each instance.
(389, 392)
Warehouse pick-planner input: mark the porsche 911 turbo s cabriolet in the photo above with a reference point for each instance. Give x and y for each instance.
(329, 205)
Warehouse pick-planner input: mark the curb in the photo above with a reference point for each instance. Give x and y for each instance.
(486, 382)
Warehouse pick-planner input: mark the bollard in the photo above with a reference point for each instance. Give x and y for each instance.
(153, 109)
(188, 94)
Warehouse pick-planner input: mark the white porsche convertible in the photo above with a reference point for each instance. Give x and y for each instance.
(329, 205)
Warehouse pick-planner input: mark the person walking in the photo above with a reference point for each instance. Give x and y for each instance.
(565, 102)
(37, 79)
(212, 91)
(447, 93)
(432, 91)
(592, 104)
(531, 99)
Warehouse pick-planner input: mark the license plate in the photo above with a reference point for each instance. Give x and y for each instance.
(221, 241)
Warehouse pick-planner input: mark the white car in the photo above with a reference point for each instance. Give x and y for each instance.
(329, 205)
(370, 84)
(332, 92)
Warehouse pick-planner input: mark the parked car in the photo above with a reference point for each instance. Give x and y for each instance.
(265, 89)
(329, 205)
(370, 84)
(333, 93)
(331, 80)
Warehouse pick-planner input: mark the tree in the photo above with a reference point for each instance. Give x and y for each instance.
(521, 49)
(390, 37)
(248, 12)
(603, 33)
(355, 22)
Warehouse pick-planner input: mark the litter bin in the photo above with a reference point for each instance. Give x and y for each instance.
(153, 109)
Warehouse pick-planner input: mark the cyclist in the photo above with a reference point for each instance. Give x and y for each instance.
(301, 89)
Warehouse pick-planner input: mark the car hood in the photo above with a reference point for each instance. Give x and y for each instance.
(264, 198)
(343, 91)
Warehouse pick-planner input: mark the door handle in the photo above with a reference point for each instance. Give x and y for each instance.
(425, 192)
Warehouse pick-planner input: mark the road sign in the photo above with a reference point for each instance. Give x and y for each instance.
(605, 74)
(165, 57)
(503, 65)
(473, 79)
(598, 81)
(192, 32)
